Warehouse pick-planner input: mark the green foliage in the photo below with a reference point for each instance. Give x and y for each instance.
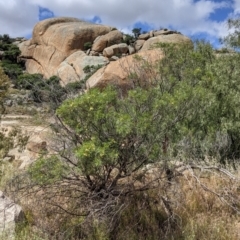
(13, 70)
(6, 143)
(4, 86)
(232, 40)
(13, 139)
(5, 38)
(28, 81)
(87, 45)
(136, 32)
(12, 67)
(90, 70)
(42, 90)
(128, 39)
(187, 110)
(75, 87)
(47, 171)
(11, 53)
(184, 107)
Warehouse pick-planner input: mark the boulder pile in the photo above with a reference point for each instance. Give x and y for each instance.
(65, 46)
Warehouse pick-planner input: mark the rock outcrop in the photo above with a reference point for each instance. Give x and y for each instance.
(64, 46)
(116, 49)
(166, 38)
(56, 39)
(72, 68)
(10, 215)
(117, 72)
(107, 40)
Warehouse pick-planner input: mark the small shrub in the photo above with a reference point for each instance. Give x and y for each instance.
(87, 45)
(75, 87)
(128, 39)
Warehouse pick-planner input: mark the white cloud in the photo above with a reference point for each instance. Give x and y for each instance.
(17, 17)
(236, 6)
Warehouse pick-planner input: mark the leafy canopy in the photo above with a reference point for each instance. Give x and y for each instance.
(188, 111)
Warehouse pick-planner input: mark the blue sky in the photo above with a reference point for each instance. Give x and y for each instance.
(198, 19)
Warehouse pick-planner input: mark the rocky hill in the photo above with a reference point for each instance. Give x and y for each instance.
(160, 162)
(65, 46)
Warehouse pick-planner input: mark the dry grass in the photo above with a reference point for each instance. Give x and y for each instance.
(194, 205)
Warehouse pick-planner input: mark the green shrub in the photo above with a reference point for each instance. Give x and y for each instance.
(42, 90)
(128, 39)
(75, 87)
(87, 45)
(12, 67)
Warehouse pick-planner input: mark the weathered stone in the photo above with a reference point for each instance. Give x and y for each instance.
(10, 215)
(151, 34)
(109, 39)
(123, 48)
(71, 69)
(54, 40)
(67, 34)
(26, 48)
(93, 53)
(131, 50)
(171, 38)
(114, 58)
(144, 36)
(110, 51)
(138, 44)
(96, 39)
(117, 72)
(163, 32)
(116, 49)
(48, 58)
(34, 67)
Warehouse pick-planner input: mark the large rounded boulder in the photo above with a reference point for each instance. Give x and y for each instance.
(174, 38)
(55, 39)
(122, 71)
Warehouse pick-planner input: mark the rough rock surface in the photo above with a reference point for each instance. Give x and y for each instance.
(138, 44)
(54, 40)
(131, 49)
(117, 72)
(10, 215)
(170, 38)
(57, 46)
(111, 38)
(144, 36)
(163, 32)
(115, 50)
(39, 137)
(71, 69)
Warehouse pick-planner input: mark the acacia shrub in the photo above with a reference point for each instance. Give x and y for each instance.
(174, 116)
